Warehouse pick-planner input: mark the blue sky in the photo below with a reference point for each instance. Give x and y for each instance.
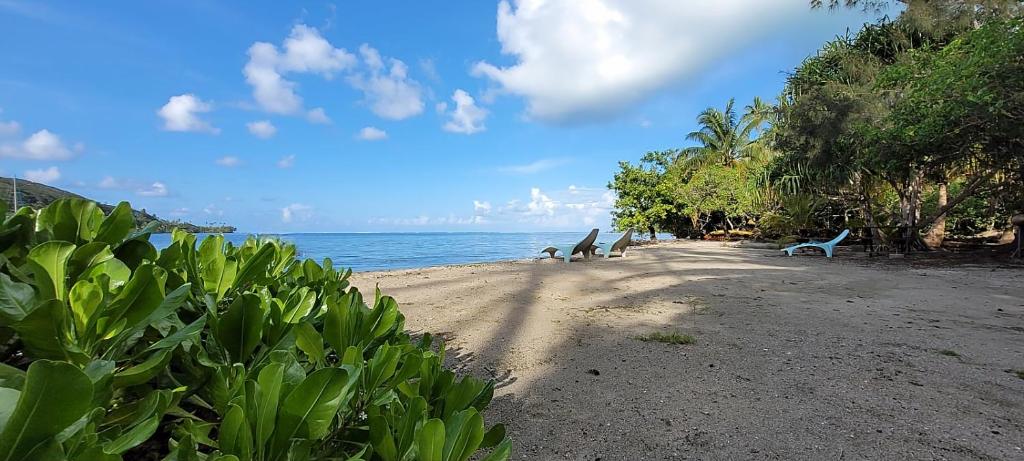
(377, 115)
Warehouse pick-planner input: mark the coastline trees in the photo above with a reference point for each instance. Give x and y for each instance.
(894, 128)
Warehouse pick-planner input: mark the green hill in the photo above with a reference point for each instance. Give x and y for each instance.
(38, 195)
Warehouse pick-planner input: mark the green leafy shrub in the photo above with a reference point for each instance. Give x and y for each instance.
(114, 350)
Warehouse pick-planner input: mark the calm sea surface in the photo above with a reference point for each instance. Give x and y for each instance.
(370, 252)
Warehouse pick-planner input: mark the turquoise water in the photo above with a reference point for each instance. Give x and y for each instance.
(370, 252)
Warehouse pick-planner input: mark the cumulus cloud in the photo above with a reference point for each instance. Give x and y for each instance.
(467, 117)
(563, 209)
(229, 161)
(181, 113)
(318, 116)
(45, 176)
(287, 161)
(578, 59)
(481, 207)
(296, 211)
(108, 182)
(304, 51)
(157, 189)
(386, 86)
(372, 134)
(262, 129)
(538, 166)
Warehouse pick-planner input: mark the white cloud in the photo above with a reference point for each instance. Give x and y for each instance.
(213, 210)
(181, 113)
(568, 209)
(390, 92)
(538, 166)
(578, 59)
(229, 161)
(481, 207)
(286, 162)
(467, 117)
(108, 182)
(372, 134)
(440, 107)
(44, 145)
(305, 51)
(318, 116)
(45, 176)
(10, 128)
(178, 212)
(296, 211)
(262, 129)
(157, 189)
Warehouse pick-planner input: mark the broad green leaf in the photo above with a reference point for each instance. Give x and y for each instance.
(430, 441)
(73, 220)
(133, 437)
(87, 256)
(143, 294)
(308, 410)
(309, 341)
(49, 263)
(500, 453)
(16, 300)
(144, 371)
(382, 440)
(494, 436)
(168, 305)
(135, 252)
(235, 437)
(85, 298)
(43, 331)
(10, 377)
(256, 265)
(465, 431)
(269, 394)
(239, 329)
(299, 304)
(8, 401)
(55, 396)
(190, 331)
(116, 225)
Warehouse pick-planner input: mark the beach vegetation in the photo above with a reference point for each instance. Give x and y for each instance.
(113, 349)
(909, 129)
(674, 338)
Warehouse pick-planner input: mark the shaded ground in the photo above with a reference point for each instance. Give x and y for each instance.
(796, 358)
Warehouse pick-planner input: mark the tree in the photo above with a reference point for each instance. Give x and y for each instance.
(725, 138)
(644, 199)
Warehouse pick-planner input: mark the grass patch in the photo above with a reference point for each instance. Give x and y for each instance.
(1019, 373)
(667, 338)
(949, 353)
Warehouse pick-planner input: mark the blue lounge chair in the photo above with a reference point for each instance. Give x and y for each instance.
(570, 249)
(826, 246)
(618, 244)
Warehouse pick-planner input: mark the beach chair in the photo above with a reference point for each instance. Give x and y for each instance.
(570, 249)
(619, 245)
(826, 246)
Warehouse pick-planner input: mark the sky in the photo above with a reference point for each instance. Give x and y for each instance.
(377, 116)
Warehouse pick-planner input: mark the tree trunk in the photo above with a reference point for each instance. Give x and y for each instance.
(654, 237)
(937, 233)
(869, 215)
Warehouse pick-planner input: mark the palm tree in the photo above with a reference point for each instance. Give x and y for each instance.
(724, 138)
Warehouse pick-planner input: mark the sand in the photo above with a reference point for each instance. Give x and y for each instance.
(795, 358)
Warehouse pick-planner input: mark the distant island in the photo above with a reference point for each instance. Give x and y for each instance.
(37, 195)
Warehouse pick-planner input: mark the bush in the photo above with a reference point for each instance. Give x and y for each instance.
(115, 350)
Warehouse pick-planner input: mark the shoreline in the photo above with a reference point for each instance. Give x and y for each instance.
(793, 355)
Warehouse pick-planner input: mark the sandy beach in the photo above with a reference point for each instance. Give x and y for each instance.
(795, 358)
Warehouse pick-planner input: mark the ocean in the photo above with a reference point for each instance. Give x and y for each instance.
(383, 251)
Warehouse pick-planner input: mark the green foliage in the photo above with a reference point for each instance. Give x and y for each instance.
(675, 338)
(644, 193)
(210, 351)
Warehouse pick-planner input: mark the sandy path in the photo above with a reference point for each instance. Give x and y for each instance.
(796, 358)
